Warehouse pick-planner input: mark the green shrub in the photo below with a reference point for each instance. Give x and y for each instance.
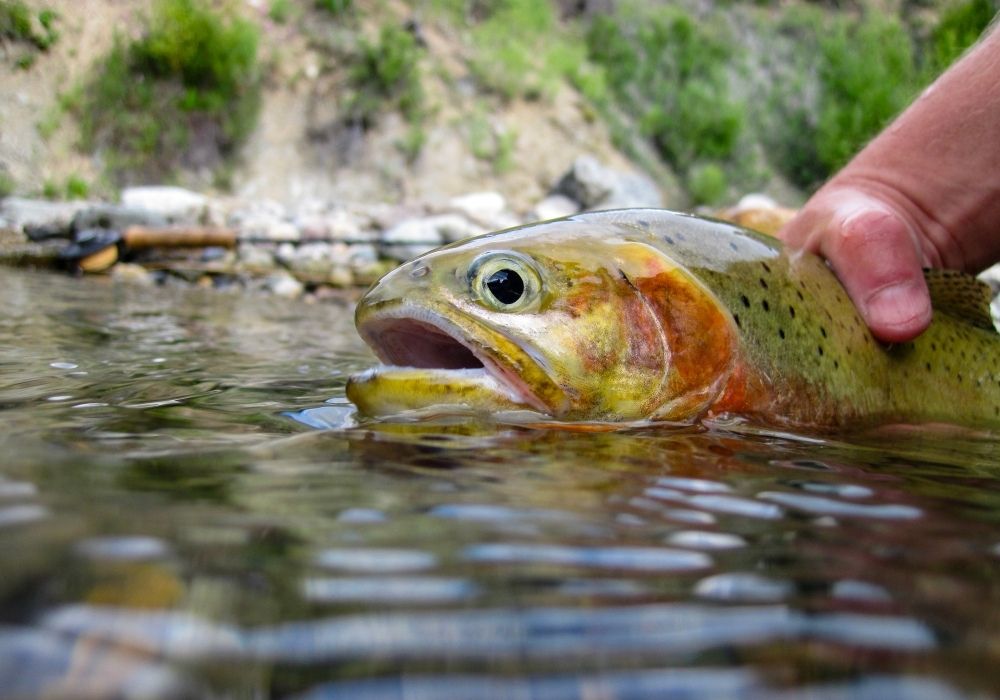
(335, 7)
(959, 27)
(521, 50)
(193, 74)
(707, 183)
(867, 75)
(280, 11)
(669, 73)
(77, 187)
(7, 184)
(386, 76)
(18, 23)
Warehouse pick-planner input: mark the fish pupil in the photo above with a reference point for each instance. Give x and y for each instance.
(506, 285)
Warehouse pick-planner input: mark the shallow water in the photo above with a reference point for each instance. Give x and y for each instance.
(170, 527)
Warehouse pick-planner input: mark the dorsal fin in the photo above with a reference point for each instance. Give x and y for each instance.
(960, 295)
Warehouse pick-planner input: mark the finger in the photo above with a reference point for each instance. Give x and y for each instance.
(876, 258)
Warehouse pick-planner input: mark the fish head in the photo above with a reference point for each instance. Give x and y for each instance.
(570, 319)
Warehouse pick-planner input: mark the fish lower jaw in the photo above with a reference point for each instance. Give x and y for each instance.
(389, 390)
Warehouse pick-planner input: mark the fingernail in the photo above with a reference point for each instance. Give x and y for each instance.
(898, 309)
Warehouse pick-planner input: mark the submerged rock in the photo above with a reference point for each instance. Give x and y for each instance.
(416, 236)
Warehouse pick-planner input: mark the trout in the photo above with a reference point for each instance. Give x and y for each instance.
(649, 315)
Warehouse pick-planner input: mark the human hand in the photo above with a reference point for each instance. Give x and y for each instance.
(875, 251)
(924, 193)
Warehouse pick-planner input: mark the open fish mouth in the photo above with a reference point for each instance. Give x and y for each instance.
(432, 362)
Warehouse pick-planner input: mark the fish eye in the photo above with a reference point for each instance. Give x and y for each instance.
(506, 285)
(504, 281)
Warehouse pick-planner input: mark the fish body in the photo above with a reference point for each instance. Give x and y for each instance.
(641, 314)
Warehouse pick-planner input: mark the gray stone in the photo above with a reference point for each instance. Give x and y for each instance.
(130, 273)
(283, 284)
(176, 204)
(19, 212)
(555, 206)
(595, 186)
(111, 216)
(312, 260)
(488, 209)
(416, 236)
(254, 258)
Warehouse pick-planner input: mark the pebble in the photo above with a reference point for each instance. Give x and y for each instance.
(176, 204)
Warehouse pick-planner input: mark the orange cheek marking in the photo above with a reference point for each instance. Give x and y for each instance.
(699, 332)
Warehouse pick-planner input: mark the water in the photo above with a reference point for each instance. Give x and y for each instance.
(167, 529)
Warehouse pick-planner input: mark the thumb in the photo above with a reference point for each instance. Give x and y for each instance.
(873, 252)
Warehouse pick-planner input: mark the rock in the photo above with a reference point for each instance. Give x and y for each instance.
(254, 258)
(555, 206)
(111, 216)
(281, 231)
(487, 209)
(176, 204)
(21, 213)
(310, 260)
(595, 186)
(130, 273)
(283, 284)
(415, 236)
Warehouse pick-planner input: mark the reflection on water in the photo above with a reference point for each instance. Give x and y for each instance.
(169, 530)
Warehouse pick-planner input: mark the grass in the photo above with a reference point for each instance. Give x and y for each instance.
(20, 23)
(386, 75)
(668, 73)
(7, 184)
(191, 79)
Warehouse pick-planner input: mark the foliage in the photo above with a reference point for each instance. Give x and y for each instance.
(280, 11)
(867, 76)
(669, 73)
(521, 51)
(192, 76)
(386, 75)
(7, 184)
(959, 27)
(77, 187)
(707, 183)
(335, 7)
(17, 23)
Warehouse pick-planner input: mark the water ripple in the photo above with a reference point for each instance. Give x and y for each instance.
(633, 558)
(376, 560)
(564, 632)
(819, 505)
(743, 587)
(398, 589)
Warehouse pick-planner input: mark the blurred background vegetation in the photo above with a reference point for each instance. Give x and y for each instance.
(725, 96)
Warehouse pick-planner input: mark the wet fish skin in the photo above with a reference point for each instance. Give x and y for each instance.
(650, 314)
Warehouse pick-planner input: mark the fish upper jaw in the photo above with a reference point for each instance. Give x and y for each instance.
(408, 336)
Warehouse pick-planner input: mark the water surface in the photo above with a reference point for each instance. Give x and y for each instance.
(168, 529)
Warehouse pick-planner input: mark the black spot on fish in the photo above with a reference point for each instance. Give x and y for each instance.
(732, 244)
(819, 349)
(767, 307)
(836, 364)
(746, 302)
(928, 366)
(736, 317)
(781, 333)
(791, 311)
(764, 265)
(801, 298)
(668, 239)
(643, 223)
(762, 283)
(681, 237)
(934, 347)
(822, 331)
